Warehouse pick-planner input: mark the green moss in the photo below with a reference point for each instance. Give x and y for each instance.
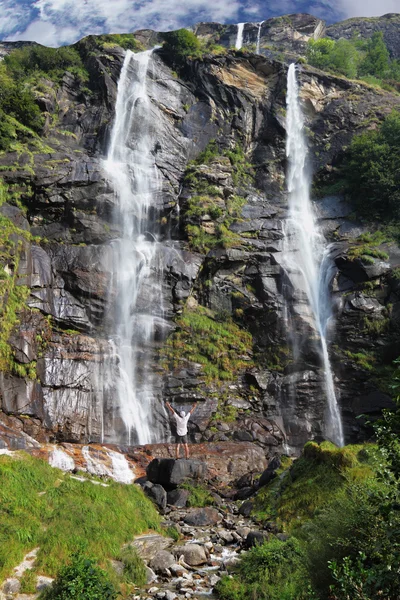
(365, 360)
(366, 247)
(220, 346)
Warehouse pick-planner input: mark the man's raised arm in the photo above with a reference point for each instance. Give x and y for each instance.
(167, 404)
(193, 408)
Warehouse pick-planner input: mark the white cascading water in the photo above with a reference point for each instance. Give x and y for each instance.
(131, 169)
(258, 37)
(239, 36)
(307, 258)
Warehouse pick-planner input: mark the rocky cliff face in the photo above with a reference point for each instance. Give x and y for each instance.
(222, 208)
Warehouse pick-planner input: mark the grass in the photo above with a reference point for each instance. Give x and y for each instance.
(199, 496)
(41, 506)
(312, 481)
(218, 344)
(366, 247)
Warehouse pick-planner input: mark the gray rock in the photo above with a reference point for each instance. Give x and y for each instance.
(171, 473)
(158, 494)
(178, 498)
(161, 561)
(193, 554)
(199, 517)
(150, 575)
(269, 472)
(255, 538)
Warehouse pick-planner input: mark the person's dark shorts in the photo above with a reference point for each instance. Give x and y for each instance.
(181, 439)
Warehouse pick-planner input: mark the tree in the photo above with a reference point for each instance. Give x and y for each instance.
(377, 59)
(181, 44)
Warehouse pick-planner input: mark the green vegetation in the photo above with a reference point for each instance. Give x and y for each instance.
(366, 247)
(134, 567)
(340, 506)
(41, 506)
(366, 59)
(24, 74)
(371, 169)
(82, 579)
(272, 571)
(124, 40)
(199, 495)
(209, 200)
(217, 343)
(182, 44)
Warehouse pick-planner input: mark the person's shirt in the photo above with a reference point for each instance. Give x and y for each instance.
(181, 423)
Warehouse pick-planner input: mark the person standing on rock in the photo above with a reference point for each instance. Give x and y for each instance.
(181, 420)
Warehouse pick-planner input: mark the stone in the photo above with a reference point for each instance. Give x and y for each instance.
(158, 494)
(171, 472)
(246, 508)
(150, 575)
(226, 536)
(169, 595)
(255, 538)
(199, 517)
(214, 580)
(193, 554)
(12, 585)
(161, 561)
(149, 544)
(269, 472)
(178, 498)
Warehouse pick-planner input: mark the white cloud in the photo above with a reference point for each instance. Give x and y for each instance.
(368, 8)
(65, 21)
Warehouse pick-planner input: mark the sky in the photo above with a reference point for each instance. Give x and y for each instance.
(59, 22)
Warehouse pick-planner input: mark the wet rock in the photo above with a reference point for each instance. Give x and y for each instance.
(198, 517)
(161, 561)
(150, 575)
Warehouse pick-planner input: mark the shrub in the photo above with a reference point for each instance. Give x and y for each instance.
(181, 44)
(81, 579)
(51, 62)
(274, 570)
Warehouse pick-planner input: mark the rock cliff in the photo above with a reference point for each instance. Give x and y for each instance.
(221, 213)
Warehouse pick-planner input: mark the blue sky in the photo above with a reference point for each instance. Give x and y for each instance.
(56, 22)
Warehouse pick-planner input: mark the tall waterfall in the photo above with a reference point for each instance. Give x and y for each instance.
(307, 259)
(258, 37)
(136, 290)
(239, 36)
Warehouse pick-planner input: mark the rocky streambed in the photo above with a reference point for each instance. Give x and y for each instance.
(211, 542)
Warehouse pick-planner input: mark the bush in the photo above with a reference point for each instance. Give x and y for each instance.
(274, 570)
(81, 579)
(181, 44)
(51, 62)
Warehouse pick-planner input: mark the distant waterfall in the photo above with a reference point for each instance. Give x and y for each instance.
(258, 37)
(307, 259)
(239, 36)
(136, 290)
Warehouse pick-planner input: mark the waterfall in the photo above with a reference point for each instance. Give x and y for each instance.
(239, 36)
(136, 287)
(258, 37)
(307, 259)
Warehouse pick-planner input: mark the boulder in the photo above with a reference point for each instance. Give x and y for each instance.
(162, 561)
(255, 538)
(198, 517)
(171, 473)
(149, 544)
(193, 554)
(270, 471)
(246, 508)
(158, 494)
(178, 498)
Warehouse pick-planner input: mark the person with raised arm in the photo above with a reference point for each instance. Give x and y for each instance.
(181, 421)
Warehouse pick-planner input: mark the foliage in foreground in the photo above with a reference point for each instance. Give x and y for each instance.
(81, 579)
(274, 570)
(70, 514)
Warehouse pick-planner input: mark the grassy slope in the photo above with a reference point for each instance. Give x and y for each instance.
(70, 514)
(312, 481)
